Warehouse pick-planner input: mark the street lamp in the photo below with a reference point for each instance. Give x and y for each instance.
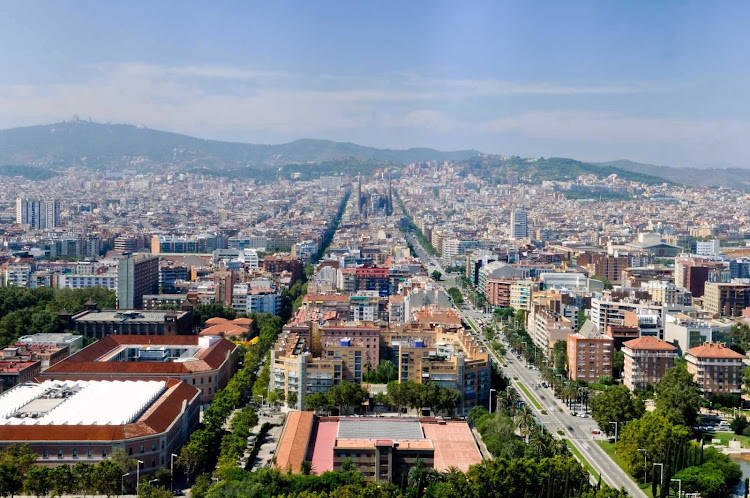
(490, 401)
(138, 475)
(615, 424)
(171, 471)
(122, 483)
(679, 482)
(645, 452)
(661, 478)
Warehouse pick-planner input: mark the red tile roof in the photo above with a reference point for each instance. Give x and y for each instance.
(294, 441)
(650, 343)
(714, 350)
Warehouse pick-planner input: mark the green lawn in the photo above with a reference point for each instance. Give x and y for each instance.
(725, 437)
(531, 396)
(609, 449)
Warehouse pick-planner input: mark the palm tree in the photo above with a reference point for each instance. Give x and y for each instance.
(418, 476)
(568, 393)
(585, 397)
(525, 422)
(538, 443)
(512, 397)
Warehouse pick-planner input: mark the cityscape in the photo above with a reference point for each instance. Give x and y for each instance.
(230, 307)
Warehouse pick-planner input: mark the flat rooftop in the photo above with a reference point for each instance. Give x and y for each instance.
(127, 315)
(376, 428)
(76, 402)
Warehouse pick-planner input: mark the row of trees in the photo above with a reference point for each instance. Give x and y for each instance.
(383, 374)
(202, 449)
(553, 477)
(345, 396)
(19, 474)
(30, 311)
(419, 396)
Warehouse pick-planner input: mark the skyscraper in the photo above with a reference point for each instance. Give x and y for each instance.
(519, 228)
(138, 274)
(38, 215)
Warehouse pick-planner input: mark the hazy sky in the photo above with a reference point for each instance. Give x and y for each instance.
(662, 82)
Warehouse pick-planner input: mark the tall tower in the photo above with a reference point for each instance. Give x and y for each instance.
(519, 228)
(359, 193)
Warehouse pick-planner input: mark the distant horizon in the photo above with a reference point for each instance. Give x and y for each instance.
(661, 83)
(467, 149)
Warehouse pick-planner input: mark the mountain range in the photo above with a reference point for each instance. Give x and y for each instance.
(36, 151)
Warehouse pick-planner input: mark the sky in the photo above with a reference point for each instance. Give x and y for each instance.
(661, 82)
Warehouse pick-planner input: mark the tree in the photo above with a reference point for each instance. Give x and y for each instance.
(122, 460)
(605, 281)
(37, 481)
(397, 395)
(618, 362)
(83, 478)
(348, 465)
(107, 476)
(306, 468)
(654, 433)
(678, 396)
(291, 400)
(525, 421)
(436, 276)
(739, 424)
(616, 404)
(192, 456)
(62, 480)
(560, 356)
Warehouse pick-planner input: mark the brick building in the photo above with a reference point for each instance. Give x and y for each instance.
(589, 354)
(716, 368)
(646, 360)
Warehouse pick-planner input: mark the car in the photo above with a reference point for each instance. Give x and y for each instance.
(584, 415)
(595, 431)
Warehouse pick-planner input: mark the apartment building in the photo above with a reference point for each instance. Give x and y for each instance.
(726, 299)
(646, 360)
(589, 354)
(687, 332)
(716, 368)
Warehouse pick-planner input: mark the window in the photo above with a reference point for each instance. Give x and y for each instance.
(45, 454)
(59, 454)
(104, 453)
(75, 453)
(143, 448)
(193, 380)
(130, 451)
(90, 453)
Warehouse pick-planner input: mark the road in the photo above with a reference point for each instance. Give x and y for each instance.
(576, 429)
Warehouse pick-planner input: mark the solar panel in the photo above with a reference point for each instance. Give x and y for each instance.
(363, 428)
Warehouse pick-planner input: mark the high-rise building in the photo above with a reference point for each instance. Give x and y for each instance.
(38, 215)
(519, 228)
(137, 275)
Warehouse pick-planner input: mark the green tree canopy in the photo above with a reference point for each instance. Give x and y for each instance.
(615, 404)
(678, 396)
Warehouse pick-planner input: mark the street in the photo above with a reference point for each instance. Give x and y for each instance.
(576, 429)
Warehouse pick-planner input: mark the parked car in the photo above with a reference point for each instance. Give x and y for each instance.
(595, 431)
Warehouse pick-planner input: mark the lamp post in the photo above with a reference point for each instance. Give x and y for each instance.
(679, 483)
(615, 424)
(645, 452)
(171, 471)
(138, 475)
(490, 401)
(122, 483)
(661, 475)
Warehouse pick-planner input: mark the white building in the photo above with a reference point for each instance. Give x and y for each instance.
(687, 332)
(249, 299)
(708, 248)
(106, 280)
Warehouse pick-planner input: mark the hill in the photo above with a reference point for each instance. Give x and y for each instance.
(555, 168)
(106, 146)
(719, 177)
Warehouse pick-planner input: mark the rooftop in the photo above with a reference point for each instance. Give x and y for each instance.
(714, 350)
(78, 402)
(127, 315)
(649, 342)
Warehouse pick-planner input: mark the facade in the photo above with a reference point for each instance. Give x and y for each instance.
(136, 275)
(726, 299)
(520, 294)
(548, 327)
(106, 280)
(278, 263)
(589, 354)
(38, 215)
(519, 226)
(610, 267)
(96, 324)
(384, 450)
(70, 421)
(646, 360)
(716, 368)
(203, 362)
(687, 332)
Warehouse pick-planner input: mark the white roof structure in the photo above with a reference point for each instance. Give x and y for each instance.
(75, 402)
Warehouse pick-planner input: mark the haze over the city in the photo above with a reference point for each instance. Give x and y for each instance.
(659, 82)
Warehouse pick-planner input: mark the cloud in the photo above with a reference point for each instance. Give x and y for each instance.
(244, 103)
